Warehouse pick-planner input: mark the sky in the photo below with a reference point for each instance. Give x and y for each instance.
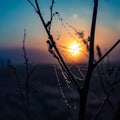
(17, 15)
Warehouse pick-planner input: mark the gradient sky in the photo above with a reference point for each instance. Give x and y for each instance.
(15, 15)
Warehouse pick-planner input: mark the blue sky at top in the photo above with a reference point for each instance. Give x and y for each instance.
(15, 15)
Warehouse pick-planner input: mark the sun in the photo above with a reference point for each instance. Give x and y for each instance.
(74, 49)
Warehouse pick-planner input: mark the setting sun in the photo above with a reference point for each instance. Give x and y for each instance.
(74, 49)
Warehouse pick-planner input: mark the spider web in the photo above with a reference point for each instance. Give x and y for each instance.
(64, 33)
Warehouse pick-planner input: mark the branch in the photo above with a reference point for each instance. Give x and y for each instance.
(51, 13)
(32, 5)
(84, 91)
(104, 102)
(106, 53)
(24, 50)
(27, 78)
(60, 58)
(91, 50)
(19, 89)
(25, 56)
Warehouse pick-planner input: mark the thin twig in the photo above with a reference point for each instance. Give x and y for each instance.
(107, 53)
(19, 90)
(71, 77)
(104, 102)
(32, 5)
(51, 13)
(27, 77)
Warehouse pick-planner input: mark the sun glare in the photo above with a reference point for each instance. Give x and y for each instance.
(74, 49)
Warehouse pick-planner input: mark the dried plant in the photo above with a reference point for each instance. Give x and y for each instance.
(23, 91)
(92, 64)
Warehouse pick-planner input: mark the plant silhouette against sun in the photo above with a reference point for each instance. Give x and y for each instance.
(92, 64)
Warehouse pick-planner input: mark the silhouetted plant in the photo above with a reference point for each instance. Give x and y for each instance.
(24, 91)
(92, 64)
(109, 76)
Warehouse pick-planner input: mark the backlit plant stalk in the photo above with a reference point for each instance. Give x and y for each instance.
(54, 48)
(27, 106)
(24, 93)
(83, 92)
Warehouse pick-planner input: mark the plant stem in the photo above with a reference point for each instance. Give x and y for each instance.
(84, 92)
(26, 78)
(107, 53)
(56, 49)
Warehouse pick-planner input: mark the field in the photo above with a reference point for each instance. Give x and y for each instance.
(46, 102)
